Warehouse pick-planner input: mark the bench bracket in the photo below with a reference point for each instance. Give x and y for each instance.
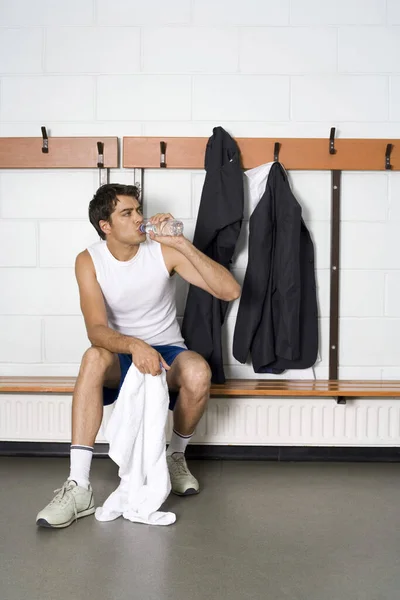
(341, 400)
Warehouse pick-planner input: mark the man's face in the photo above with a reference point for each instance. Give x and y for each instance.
(125, 222)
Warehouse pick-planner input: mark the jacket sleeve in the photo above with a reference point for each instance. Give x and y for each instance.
(287, 272)
(217, 229)
(257, 280)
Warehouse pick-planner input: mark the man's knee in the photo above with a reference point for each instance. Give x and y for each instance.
(97, 360)
(196, 375)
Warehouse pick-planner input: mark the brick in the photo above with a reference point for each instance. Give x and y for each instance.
(361, 294)
(178, 128)
(41, 194)
(55, 98)
(236, 12)
(240, 97)
(394, 196)
(93, 50)
(394, 100)
(392, 294)
(143, 97)
(134, 12)
(340, 12)
(288, 50)
(323, 352)
(65, 339)
(364, 373)
(340, 98)
(38, 292)
(60, 242)
(377, 247)
(320, 234)
(190, 50)
(21, 50)
(93, 129)
(368, 49)
(364, 196)
(391, 372)
(365, 342)
(313, 192)
(258, 129)
(322, 277)
(17, 244)
(22, 13)
(370, 130)
(21, 340)
(393, 8)
(168, 191)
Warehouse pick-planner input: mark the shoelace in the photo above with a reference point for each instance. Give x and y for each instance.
(178, 466)
(61, 500)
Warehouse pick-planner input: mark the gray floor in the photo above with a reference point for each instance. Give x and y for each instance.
(259, 530)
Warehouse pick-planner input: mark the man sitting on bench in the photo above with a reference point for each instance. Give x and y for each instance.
(127, 297)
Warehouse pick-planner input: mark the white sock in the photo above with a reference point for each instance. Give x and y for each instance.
(81, 459)
(178, 442)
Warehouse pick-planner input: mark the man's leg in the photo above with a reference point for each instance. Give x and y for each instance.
(190, 375)
(99, 367)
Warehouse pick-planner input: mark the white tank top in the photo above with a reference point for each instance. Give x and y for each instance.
(139, 294)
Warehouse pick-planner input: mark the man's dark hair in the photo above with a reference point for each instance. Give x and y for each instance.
(105, 200)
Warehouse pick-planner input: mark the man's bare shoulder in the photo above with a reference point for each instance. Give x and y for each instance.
(83, 262)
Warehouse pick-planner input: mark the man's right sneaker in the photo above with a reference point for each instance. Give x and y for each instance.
(70, 503)
(182, 481)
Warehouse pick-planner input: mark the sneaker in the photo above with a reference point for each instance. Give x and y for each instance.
(70, 503)
(182, 481)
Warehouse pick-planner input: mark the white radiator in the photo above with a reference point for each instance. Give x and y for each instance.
(239, 421)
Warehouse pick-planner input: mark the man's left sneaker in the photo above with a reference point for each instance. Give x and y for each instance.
(182, 481)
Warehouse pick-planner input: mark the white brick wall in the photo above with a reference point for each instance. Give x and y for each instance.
(288, 50)
(92, 50)
(260, 69)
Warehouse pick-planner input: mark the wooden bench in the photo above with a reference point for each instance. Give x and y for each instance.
(340, 390)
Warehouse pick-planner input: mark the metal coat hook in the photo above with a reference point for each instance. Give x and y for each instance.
(163, 150)
(332, 141)
(45, 144)
(103, 173)
(277, 148)
(100, 155)
(388, 152)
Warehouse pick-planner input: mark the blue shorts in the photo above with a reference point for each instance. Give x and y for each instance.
(169, 353)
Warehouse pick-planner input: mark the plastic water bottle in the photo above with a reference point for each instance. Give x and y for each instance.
(169, 227)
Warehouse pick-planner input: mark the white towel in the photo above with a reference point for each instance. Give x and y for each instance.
(136, 434)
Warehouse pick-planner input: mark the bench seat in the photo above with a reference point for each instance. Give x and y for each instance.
(339, 389)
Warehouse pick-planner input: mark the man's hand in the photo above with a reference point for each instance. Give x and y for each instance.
(147, 360)
(175, 241)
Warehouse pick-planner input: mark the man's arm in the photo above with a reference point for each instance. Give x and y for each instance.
(200, 270)
(146, 359)
(195, 267)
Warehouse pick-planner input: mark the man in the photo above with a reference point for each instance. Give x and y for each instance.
(127, 297)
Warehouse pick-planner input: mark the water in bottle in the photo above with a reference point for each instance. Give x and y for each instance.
(169, 227)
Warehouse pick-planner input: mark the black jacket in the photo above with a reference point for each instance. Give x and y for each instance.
(217, 230)
(277, 321)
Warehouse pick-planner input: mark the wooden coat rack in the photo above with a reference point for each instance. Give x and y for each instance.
(60, 153)
(294, 153)
(330, 154)
(140, 153)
